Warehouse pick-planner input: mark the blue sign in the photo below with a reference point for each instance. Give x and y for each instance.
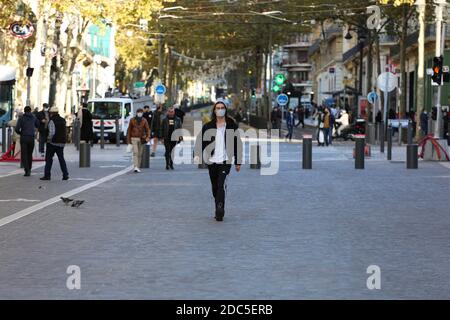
(372, 97)
(282, 99)
(160, 89)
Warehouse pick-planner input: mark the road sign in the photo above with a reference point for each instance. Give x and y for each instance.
(21, 30)
(139, 84)
(372, 97)
(389, 79)
(282, 99)
(160, 89)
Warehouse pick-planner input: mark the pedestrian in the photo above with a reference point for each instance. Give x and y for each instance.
(424, 122)
(56, 141)
(273, 118)
(156, 128)
(238, 117)
(85, 118)
(169, 124)
(138, 134)
(221, 155)
(179, 113)
(332, 116)
(26, 127)
(43, 118)
(301, 116)
(290, 123)
(148, 115)
(326, 125)
(320, 123)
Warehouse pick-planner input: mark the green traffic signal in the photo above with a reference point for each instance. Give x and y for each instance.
(276, 88)
(280, 79)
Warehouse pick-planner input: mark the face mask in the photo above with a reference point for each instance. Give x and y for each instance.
(140, 114)
(220, 112)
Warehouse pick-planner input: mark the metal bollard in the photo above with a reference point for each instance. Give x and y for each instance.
(410, 132)
(102, 133)
(389, 141)
(145, 163)
(85, 155)
(381, 135)
(307, 152)
(4, 137)
(412, 158)
(117, 133)
(255, 161)
(359, 151)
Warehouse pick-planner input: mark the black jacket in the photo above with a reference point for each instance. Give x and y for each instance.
(86, 130)
(26, 125)
(201, 144)
(41, 115)
(165, 128)
(149, 117)
(156, 123)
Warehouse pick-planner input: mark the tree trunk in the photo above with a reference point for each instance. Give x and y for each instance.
(403, 86)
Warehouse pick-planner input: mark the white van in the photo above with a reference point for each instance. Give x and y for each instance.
(111, 109)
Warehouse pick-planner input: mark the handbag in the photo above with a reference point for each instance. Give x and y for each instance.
(321, 125)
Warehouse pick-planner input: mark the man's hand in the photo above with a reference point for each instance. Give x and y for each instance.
(238, 167)
(196, 160)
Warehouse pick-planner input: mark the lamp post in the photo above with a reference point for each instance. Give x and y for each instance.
(97, 62)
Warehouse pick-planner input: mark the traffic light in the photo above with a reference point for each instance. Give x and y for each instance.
(437, 70)
(253, 93)
(434, 113)
(279, 81)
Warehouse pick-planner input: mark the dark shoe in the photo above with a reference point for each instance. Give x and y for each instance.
(167, 168)
(220, 211)
(171, 167)
(45, 178)
(152, 155)
(66, 178)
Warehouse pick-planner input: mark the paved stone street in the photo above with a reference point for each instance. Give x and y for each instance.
(296, 235)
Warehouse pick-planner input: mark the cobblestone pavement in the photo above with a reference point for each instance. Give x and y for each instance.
(295, 235)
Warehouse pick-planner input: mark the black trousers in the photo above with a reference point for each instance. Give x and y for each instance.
(50, 152)
(26, 152)
(170, 145)
(218, 174)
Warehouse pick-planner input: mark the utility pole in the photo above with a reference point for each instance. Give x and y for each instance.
(440, 43)
(29, 74)
(269, 107)
(160, 58)
(421, 7)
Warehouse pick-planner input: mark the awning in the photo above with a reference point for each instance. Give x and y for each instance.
(7, 74)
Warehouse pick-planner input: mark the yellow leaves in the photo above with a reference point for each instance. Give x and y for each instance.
(397, 3)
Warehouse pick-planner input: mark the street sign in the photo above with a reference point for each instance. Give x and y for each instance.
(282, 99)
(21, 30)
(160, 89)
(139, 84)
(445, 69)
(372, 97)
(389, 79)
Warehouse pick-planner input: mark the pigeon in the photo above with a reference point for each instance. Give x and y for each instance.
(66, 200)
(77, 203)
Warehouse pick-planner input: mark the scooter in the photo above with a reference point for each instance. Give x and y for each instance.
(359, 127)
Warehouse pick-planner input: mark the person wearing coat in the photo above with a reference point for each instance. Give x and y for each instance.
(26, 127)
(86, 129)
(169, 124)
(138, 134)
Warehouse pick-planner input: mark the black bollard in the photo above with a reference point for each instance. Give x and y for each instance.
(4, 137)
(307, 152)
(381, 136)
(102, 133)
(255, 161)
(145, 163)
(359, 152)
(85, 155)
(410, 132)
(389, 141)
(117, 133)
(412, 157)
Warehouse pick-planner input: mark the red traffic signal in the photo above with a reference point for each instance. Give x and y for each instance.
(437, 70)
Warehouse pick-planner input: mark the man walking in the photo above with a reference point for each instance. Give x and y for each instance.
(138, 134)
(26, 127)
(170, 123)
(290, 122)
(43, 118)
(215, 146)
(148, 115)
(301, 116)
(56, 142)
(86, 128)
